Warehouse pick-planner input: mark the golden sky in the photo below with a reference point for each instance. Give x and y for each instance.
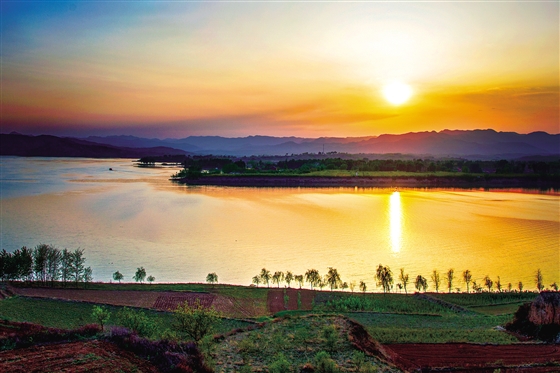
(312, 69)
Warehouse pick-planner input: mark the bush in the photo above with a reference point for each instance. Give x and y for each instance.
(136, 321)
(101, 314)
(280, 365)
(330, 335)
(195, 321)
(324, 363)
(359, 359)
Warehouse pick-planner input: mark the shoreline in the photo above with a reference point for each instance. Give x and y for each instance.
(373, 181)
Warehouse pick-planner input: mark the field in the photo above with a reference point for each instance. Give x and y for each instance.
(303, 324)
(228, 300)
(56, 313)
(90, 356)
(478, 358)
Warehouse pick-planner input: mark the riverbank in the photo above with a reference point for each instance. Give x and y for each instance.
(459, 181)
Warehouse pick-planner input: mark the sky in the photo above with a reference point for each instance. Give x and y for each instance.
(280, 68)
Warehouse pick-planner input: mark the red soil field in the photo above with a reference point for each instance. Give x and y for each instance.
(92, 356)
(160, 300)
(170, 301)
(131, 298)
(464, 357)
(275, 299)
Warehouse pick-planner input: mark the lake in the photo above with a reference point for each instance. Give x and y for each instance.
(131, 217)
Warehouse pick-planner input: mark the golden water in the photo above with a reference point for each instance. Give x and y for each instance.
(133, 217)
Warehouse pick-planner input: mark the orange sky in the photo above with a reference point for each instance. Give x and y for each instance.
(302, 69)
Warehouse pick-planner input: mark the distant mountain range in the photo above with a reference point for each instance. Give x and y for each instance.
(470, 144)
(52, 146)
(476, 144)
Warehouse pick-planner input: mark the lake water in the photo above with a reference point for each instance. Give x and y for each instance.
(132, 217)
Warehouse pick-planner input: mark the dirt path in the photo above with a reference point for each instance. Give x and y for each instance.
(464, 357)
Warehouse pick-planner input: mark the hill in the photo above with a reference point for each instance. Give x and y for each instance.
(52, 146)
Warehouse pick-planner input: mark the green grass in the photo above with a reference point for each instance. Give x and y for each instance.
(70, 315)
(375, 302)
(434, 329)
(485, 299)
(498, 309)
(299, 339)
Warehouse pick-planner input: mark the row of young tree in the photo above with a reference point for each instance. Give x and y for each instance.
(385, 280)
(46, 264)
(139, 276)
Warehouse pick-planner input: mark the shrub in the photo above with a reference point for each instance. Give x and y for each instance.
(324, 363)
(101, 314)
(137, 321)
(359, 359)
(195, 321)
(330, 335)
(280, 365)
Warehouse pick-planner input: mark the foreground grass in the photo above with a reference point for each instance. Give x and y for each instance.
(387, 328)
(299, 340)
(71, 315)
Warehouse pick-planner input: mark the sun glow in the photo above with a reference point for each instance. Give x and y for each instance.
(397, 93)
(395, 217)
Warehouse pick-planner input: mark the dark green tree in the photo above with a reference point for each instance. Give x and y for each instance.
(436, 280)
(488, 282)
(450, 277)
(265, 276)
(289, 277)
(384, 278)
(312, 277)
(195, 321)
(212, 278)
(278, 277)
(140, 275)
(333, 278)
(467, 276)
(117, 276)
(404, 279)
(539, 280)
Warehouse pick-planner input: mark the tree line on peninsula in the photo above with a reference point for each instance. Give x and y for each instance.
(197, 165)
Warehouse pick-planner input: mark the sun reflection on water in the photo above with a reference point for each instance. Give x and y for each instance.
(395, 221)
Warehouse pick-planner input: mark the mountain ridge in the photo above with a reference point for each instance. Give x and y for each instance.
(474, 144)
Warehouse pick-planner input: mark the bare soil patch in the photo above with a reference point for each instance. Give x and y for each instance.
(91, 356)
(170, 301)
(464, 357)
(131, 298)
(276, 302)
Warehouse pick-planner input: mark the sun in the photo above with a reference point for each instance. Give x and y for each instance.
(397, 93)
